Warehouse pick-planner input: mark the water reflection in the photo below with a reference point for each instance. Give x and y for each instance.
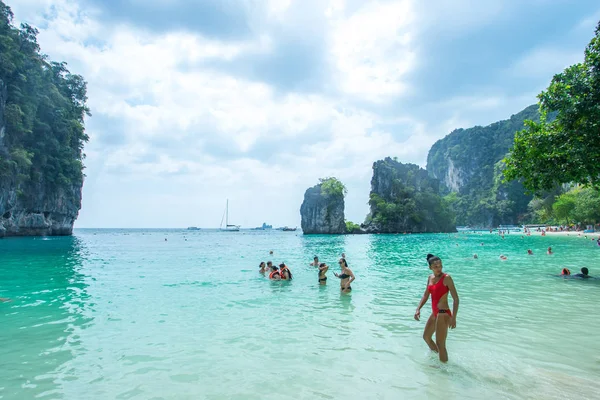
(41, 325)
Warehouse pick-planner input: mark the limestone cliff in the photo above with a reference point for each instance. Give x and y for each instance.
(405, 199)
(42, 109)
(322, 211)
(468, 164)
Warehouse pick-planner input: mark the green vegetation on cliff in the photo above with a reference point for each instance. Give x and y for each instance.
(566, 149)
(405, 199)
(333, 187)
(42, 109)
(468, 163)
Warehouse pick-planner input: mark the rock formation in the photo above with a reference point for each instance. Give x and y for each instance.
(42, 109)
(322, 211)
(468, 164)
(405, 199)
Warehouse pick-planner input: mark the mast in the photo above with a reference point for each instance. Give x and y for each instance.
(227, 213)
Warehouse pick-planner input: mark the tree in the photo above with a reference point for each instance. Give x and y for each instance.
(566, 149)
(333, 187)
(564, 206)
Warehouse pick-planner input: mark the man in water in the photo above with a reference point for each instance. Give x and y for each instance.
(315, 262)
(583, 274)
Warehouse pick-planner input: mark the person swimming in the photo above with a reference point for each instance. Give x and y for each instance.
(583, 275)
(346, 277)
(529, 252)
(286, 274)
(549, 251)
(565, 272)
(323, 273)
(503, 257)
(315, 262)
(275, 274)
(438, 286)
(262, 267)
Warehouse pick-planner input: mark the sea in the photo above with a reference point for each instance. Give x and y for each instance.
(177, 314)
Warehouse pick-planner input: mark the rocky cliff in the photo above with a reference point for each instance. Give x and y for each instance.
(468, 164)
(404, 198)
(42, 109)
(322, 211)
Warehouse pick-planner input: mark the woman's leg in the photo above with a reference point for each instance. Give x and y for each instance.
(428, 333)
(441, 332)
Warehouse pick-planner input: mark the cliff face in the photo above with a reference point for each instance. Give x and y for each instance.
(405, 199)
(42, 134)
(322, 212)
(467, 162)
(34, 211)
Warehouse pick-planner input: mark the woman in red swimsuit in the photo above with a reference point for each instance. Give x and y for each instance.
(438, 285)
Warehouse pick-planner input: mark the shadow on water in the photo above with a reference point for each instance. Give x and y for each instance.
(48, 309)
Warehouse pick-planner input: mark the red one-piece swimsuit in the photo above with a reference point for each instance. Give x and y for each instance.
(437, 290)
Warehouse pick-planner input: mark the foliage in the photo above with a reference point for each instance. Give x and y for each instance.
(470, 160)
(44, 112)
(564, 206)
(567, 149)
(351, 227)
(332, 187)
(408, 201)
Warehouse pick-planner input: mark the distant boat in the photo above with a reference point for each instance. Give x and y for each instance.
(228, 227)
(286, 229)
(193, 228)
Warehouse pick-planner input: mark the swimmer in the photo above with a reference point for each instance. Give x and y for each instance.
(4, 299)
(286, 274)
(565, 272)
(503, 257)
(529, 252)
(346, 277)
(583, 275)
(269, 268)
(271, 252)
(262, 267)
(343, 255)
(275, 274)
(550, 250)
(475, 256)
(315, 262)
(438, 286)
(323, 273)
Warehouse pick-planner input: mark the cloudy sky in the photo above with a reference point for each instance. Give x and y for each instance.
(196, 101)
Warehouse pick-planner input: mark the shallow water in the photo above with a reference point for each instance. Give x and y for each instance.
(124, 314)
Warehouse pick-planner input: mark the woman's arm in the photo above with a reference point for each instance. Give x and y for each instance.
(422, 302)
(450, 284)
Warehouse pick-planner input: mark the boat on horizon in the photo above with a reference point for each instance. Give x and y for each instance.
(286, 229)
(228, 227)
(193, 228)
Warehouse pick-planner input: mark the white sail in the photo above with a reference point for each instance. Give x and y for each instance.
(228, 227)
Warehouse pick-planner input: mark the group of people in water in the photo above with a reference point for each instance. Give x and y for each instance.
(439, 284)
(346, 276)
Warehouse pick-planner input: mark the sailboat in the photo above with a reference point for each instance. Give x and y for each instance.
(228, 227)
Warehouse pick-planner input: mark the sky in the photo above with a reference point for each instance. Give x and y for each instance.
(197, 101)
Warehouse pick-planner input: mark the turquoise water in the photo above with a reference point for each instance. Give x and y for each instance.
(124, 314)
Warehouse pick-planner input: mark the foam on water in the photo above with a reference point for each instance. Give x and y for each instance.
(124, 314)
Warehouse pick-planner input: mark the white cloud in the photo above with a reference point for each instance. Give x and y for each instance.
(372, 48)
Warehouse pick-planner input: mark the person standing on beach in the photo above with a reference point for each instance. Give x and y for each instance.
(438, 286)
(347, 277)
